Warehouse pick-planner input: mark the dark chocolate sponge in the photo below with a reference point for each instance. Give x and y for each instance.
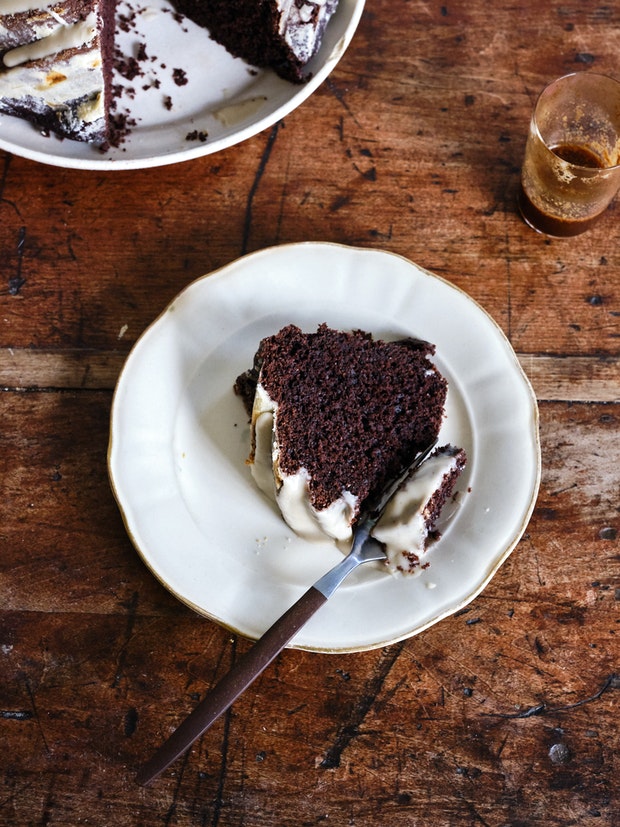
(351, 410)
(250, 30)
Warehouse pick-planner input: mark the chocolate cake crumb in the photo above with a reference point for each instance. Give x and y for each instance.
(180, 77)
(128, 67)
(197, 136)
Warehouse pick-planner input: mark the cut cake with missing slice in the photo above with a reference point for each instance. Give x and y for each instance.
(57, 58)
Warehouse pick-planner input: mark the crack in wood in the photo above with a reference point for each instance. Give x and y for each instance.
(219, 794)
(132, 607)
(340, 96)
(4, 178)
(350, 729)
(17, 281)
(171, 812)
(611, 682)
(35, 715)
(16, 714)
(247, 225)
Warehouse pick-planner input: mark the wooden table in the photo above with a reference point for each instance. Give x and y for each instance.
(505, 714)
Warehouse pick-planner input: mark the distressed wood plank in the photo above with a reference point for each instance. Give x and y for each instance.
(492, 715)
(554, 378)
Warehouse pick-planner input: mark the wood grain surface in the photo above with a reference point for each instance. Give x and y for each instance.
(505, 714)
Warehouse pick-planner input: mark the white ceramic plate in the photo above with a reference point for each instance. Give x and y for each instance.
(223, 97)
(180, 437)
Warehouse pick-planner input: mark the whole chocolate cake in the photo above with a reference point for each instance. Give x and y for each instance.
(337, 415)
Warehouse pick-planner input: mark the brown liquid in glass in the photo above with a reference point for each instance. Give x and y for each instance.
(581, 156)
(549, 224)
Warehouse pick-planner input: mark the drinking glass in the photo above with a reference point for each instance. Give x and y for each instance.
(571, 170)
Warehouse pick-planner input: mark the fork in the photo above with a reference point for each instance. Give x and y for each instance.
(364, 549)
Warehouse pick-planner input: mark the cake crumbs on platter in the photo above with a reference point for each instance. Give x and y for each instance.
(197, 135)
(180, 77)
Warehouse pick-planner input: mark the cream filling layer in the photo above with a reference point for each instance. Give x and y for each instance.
(57, 85)
(61, 38)
(19, 6)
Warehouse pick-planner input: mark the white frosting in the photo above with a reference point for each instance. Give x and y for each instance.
(55, 86)
(302, 24)
(290, 491)
(40, 24)
(403, 526)
(261, 461)
(333, 522)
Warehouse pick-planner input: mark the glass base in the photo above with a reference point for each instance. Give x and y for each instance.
(552, 225)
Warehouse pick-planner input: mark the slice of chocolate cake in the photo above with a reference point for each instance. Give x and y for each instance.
(56, 65)
(335, 416)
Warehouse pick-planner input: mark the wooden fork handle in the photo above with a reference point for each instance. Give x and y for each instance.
(249, 666)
